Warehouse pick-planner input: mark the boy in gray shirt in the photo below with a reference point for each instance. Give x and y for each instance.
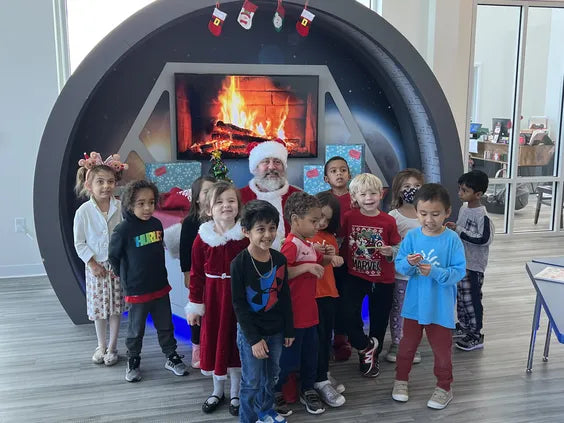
(476, 231)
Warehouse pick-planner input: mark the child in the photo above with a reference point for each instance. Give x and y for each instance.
(326, 297)
(305, 265)
(404, 187)
(137, 255)
(218, 242)
(337, 175)
(433, 258)
(476, 231)
(188, 233)
(371, 239)
(262, 304)
(94, 221)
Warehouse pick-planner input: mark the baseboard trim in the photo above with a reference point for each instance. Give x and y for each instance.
(21, 270)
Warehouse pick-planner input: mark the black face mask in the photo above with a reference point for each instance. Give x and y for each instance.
(408, 195)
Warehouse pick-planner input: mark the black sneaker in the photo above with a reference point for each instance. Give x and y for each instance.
(470, 342)
(459, 332)
(369, 365)
(132, 372)
(312, 402)
(280, 405)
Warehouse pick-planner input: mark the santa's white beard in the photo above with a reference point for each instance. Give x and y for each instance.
(270, 184)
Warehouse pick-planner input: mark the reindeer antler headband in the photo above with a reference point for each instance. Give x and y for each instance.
(95, 159)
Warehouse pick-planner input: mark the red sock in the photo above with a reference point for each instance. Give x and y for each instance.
(216, 22)
(304, 22)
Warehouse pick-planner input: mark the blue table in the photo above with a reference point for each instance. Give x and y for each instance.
(550, 295)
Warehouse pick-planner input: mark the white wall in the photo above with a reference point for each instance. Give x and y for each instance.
(28, 90)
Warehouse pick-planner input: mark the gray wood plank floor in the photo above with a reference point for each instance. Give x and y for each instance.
(46, 374)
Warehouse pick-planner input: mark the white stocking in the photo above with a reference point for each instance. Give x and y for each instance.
(100, 325)
(235, 375)
(115, 321)
(218, 388)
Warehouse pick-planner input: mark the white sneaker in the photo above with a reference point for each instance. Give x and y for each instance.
(339, 387)
(98, 356)
(328, 394)
(111, 358)
(400, 392)
(440, 399)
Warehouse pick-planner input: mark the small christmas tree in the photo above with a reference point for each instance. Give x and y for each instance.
(218, 169)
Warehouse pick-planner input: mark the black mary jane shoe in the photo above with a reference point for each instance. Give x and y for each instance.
(233, 409)
(209, 407)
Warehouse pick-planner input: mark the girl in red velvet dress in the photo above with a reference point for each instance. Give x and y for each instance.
(218, 242)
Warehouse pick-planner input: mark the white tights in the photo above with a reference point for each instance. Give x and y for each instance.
(101, 327)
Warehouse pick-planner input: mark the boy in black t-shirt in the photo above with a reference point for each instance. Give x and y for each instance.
(261, 301)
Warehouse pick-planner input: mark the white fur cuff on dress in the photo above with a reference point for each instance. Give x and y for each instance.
(199, 309)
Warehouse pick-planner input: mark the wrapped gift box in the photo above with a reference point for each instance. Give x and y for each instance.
(173, 174)
(313, 179)
(352, 153)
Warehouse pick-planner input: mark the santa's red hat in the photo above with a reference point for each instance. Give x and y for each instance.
(260, 151)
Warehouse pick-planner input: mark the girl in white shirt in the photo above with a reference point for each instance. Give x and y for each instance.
(404, 187)
(94, 222)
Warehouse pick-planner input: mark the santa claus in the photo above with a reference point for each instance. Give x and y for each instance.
(268, 162)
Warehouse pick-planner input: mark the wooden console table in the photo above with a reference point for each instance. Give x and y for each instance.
(529, 155)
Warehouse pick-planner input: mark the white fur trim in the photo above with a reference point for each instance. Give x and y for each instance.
(267, 149)
(199, 309)
(213, 239)
(172, 239)
(274, 198)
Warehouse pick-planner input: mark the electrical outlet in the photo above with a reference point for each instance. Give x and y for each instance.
(20, 225)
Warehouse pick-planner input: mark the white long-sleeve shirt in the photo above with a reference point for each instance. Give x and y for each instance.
(92, 230)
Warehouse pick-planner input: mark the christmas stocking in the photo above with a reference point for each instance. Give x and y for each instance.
(304, 22)
(216, 22)
(246, 14)
(278, 19)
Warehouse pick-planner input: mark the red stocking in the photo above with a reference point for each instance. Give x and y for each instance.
(304, 22)
(216, 22)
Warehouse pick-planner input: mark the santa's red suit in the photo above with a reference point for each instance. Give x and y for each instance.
(277, 199)
(210, 296)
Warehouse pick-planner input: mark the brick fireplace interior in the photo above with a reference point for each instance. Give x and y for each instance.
(228, 112)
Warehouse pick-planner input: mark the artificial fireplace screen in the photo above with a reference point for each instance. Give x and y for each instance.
(227, 112)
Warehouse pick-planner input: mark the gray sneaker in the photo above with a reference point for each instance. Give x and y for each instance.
(329, 395)
(176, 365)
(132, 372)
(392, 353)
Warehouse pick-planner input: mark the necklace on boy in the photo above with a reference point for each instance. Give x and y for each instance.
(267, 275)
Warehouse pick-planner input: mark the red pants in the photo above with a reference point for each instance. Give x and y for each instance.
(440, 339)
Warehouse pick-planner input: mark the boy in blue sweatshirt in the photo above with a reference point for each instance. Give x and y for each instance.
(432, 256)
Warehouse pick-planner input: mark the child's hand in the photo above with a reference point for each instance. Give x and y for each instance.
(316, 269)
(260, 349)
(424, 269)
(288, 342)
(97, 269)
(451, 225)
(414, 259)
(386, 250)
(187, 279)
(329, 250)
(337, 261)
(193, 319)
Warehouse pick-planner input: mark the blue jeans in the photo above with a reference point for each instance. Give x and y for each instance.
(301, 356)
(258, 376)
